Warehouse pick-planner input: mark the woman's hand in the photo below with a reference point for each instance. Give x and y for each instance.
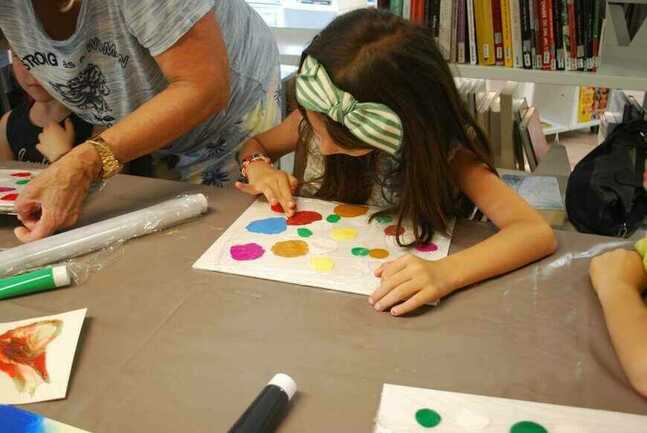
(618, 270)
(413, 280)
(56, 140)
(54, 198)
(277, 186)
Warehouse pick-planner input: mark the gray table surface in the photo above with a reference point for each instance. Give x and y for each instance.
(168, 349)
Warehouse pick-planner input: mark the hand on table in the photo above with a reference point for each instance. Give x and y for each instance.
(412, 281)
(277, 186)
(618, 270)
(56, 140)
(54, 198)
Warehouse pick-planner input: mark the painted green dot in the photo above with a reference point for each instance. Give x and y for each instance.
(333, 218)
(304, 233)
(428, 418)
(359, 251)
(22, 182)
(384, 219)
(527, 427)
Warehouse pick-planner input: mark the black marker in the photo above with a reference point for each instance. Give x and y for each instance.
(268, 409)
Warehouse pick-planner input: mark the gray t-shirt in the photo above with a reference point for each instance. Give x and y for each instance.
(106, 69)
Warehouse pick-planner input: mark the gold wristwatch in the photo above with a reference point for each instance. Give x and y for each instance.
(109, 164)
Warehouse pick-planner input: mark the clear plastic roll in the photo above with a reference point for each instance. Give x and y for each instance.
(100, 235)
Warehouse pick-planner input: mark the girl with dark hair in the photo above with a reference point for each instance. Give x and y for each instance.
(380, 122)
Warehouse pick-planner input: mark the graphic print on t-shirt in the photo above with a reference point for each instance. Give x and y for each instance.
(87, 91)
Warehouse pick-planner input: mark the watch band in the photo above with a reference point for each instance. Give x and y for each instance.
(109, 164)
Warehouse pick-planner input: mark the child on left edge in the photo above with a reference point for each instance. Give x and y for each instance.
(41, 129)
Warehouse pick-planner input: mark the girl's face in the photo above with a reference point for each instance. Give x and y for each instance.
(326, 144)
(28, 82)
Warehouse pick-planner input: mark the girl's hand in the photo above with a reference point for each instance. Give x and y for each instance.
(56, 140)
(53, 199)
(618, 270)
(277, 186)
(413, 280)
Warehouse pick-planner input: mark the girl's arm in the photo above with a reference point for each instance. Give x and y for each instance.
(197, 71)
(523, 237)
(277, 186)
(618, 277)
(6, 154)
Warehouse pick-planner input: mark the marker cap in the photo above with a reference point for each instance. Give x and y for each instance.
(61, 276)
(286, 383)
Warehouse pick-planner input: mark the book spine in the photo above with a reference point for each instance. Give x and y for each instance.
(551, 34)
(597, 18)
(517, 44)
(542, 15)
(433, 20)
(572, 34)
(566, 35)
(497, 26)
(534, 16)
(559, 36)
(484, 31)
(579, 33)
(453, 53)
(462, 32)
(526, 44)
(471, 29)
(506, 24)
(396, 7)
(588, 37)
(383, 4)
(445, 29)
(406, 9)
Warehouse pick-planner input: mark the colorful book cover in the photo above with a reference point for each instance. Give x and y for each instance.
(471, 31)
(497, 26)
(15, 420)
(585, 105)
(484, 31)
(515, 18)
(526, 34)
(506, 26)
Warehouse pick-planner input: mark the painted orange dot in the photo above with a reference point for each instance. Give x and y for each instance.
(290, 249)
(393, 230)
(378, 253)
(350, 210)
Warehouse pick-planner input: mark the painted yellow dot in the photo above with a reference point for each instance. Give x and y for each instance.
(322, 264)
(343, 234)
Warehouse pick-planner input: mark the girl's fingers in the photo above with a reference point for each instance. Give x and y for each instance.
(246, 188)
(285, 195)
(397, 295)
(413, 303)
(270, 196)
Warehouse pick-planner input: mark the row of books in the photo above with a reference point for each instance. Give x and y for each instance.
(530, 34)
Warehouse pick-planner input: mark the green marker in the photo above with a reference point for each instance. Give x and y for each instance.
(34, 282)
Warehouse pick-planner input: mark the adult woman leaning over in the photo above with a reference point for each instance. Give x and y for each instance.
(183, 80)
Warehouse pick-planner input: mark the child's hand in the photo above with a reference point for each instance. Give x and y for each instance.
(618, 270)
(55, 140)
(277, 186)
(410, 279)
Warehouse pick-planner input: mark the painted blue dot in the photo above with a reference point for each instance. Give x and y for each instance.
(268, 226)
(16, 420)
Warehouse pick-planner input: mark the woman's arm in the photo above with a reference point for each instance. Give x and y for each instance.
(619, 277)
(523, 237)
(196, 68)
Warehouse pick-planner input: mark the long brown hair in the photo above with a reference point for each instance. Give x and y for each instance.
(378, 57)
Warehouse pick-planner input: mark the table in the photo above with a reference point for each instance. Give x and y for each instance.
(168, 349)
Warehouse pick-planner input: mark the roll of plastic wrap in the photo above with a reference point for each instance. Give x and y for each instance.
(99, 235)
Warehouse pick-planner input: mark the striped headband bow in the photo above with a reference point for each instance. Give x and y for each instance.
(375, 124)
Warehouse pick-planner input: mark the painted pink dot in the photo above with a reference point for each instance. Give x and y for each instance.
(21, 174)
(6, 189)
(427, 248)
(245, 252)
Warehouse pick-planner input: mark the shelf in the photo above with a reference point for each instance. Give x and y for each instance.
(615, 78)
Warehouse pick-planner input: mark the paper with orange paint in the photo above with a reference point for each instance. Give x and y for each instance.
(36, 357)
(338, 251)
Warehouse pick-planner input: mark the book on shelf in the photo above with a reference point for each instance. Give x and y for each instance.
(530, 34)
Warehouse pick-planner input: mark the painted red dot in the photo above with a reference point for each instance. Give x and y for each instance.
(303, 218)
(9, 197)
(21, 174)
(392, 230)
(278, 208)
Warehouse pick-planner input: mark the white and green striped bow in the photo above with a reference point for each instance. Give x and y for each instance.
(375, 124)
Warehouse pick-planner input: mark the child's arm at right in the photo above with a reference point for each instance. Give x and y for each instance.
(619, 277)
(6, 154)
(277, 186)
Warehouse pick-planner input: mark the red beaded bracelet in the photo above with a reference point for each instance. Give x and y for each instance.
(252, 158)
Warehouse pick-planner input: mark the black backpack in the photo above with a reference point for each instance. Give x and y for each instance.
(605, 193)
